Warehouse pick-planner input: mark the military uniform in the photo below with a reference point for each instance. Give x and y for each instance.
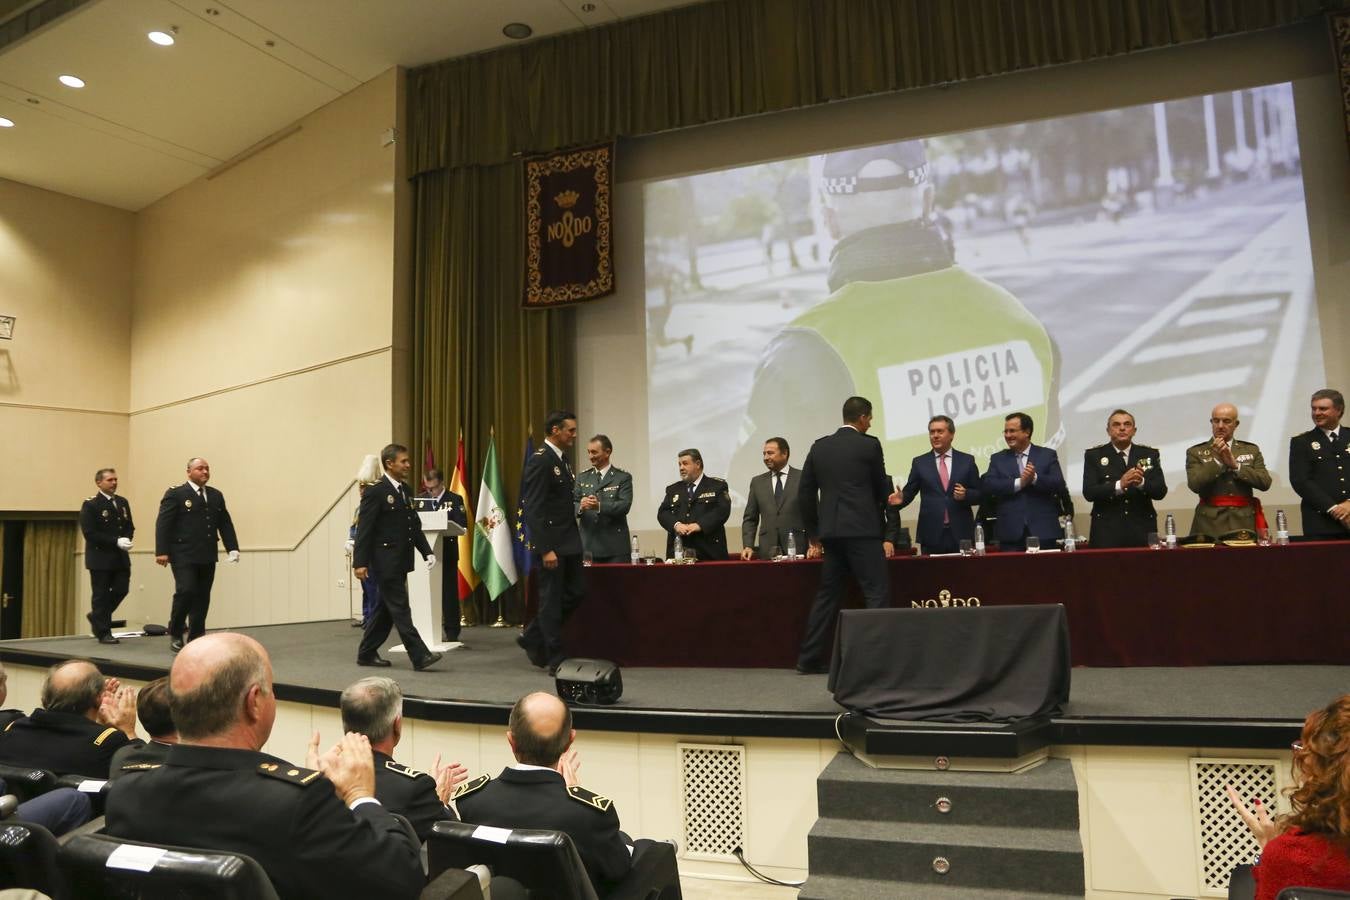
(62, 742)
(709, 504)
(186, 530)
(287, 818)
(104, 519)
(1319, 471)
(604, 532)
(151, 751)
(1210, 478)
(411, 793)
(1127, 518)
(387, 530)
(546, 488)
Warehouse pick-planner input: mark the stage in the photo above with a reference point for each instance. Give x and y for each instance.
(1215, 706)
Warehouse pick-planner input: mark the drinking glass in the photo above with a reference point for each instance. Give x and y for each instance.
(967, 548)
(587, 558)
(1154, 543)
(1033, 544)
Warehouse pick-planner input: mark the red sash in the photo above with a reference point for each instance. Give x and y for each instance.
(1233, 500)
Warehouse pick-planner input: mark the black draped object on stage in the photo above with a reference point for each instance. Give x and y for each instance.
(954, 664)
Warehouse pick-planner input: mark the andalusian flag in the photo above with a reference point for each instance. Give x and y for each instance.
(493, 557)
(468, 579)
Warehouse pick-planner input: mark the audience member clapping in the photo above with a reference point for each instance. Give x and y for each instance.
(85, 718)
(1309, 847)
(152, 708)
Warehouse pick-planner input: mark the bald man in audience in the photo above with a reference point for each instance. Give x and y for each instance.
(316, 833)
(541, 791)
(152, 708)
(374, 707)
(85, 718)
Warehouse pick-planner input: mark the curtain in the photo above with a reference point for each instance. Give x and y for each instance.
(49, 579)
(479, 360)
(724, 60)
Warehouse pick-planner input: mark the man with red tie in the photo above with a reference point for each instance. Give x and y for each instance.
(947, 482)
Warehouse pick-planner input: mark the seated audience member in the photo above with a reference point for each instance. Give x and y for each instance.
(316, 833)
(541, 791)
(152, 708)
(7, 715)
(85, 718)
(1309, 846)
(58, 811)
(374, 707)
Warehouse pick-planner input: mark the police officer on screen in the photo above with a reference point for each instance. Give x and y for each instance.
(903, 324)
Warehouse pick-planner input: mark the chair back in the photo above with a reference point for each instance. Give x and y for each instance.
(28, 858)
(1302, 893)
(545, 863)
(25, 782)
(100, 867)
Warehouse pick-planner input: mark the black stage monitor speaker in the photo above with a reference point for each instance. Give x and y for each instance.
(589, 681)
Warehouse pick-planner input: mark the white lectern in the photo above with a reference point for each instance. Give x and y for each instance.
(424, 588)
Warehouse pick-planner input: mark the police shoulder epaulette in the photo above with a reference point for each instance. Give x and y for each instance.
(407, 771)
(590, 798)
(540, 451)
(469, 787)
(106, 733)
(140, 767)
(284, 772)
(10, 725)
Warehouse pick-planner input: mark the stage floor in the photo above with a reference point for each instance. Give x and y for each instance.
(1250, 706)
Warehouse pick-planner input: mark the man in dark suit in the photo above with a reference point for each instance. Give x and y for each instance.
(696, 508)
(947, 482)
(1026, 481)
(541, 791)
(1319, 469)
(454, 510)
(603, 495)
(192, 518)
(1122, 479)
(771, 509)
(316, 833)
(85, 718)
(105, 520)
(546, 491)
(374, 707)
(843, 496)
(387, 530)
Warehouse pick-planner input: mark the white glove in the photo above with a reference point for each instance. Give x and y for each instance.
(349, 547)
(124, 543)
(234, 556)
(431, 561)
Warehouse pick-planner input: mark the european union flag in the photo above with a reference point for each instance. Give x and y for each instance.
(521, 545)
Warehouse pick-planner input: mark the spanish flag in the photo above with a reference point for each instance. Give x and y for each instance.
(468, 579)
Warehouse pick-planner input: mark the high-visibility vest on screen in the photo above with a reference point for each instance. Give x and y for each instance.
(941, 343)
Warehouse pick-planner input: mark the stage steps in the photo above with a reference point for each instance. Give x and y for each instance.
(1004, 835)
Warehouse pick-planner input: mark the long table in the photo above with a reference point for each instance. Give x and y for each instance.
(1183, 607)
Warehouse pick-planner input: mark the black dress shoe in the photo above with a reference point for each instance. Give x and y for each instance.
(376, 660)
(427, 661)
(107, 638)
(536, 658)
(176, 644)
(813, 670)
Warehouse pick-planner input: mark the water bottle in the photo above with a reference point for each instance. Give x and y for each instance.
(679, 547)
(1070, 542)
(1281, 529)
(1170, 529)
(635, 555)
(792, 545)
(979, 539)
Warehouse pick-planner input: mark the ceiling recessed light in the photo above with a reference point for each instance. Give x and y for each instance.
(163, 38)
(6, 123)
(71, 81)
(517, 31)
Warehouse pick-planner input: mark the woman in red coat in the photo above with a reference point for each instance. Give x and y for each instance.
(1310, 847)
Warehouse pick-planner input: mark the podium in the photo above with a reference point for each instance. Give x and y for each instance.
(424, 588)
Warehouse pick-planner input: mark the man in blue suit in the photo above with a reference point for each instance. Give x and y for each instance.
(948, 483)
(1025, 481)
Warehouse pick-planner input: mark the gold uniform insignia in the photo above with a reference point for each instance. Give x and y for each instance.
(1316, 446)
(389, 498)
(293, 775)
(593, 800)
(401, 769)
(105, 514)
(107, 733)
(1103, 460)
(469, 787)
(188, 504)
(140, 767)
(557, 471)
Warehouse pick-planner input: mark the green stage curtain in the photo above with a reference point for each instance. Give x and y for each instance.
(479, 360)
(49, 579)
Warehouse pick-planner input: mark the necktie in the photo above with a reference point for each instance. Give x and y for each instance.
(1125, 458)
(403, 494)
(778, 487)
(946, 479)
(691, 492)
(201, 492)
(1331, 437)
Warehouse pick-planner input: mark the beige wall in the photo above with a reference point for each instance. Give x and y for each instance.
(65, 272)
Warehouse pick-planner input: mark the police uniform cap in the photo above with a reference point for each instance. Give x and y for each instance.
(842, 170)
